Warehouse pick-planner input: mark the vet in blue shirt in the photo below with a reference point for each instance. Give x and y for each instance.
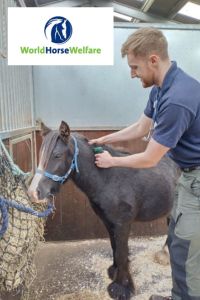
(175, 108)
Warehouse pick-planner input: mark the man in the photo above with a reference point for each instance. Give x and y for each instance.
(173, 112)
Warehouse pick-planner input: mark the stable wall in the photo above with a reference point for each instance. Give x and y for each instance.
(105, 97)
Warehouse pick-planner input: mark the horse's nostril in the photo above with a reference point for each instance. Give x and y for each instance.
(52, 191)
(38, 193)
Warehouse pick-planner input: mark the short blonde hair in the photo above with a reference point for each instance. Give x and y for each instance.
(145, 41)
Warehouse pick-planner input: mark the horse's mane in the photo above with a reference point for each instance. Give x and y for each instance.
(47, 147)
(110, 149)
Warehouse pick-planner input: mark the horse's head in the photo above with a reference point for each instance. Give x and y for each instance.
(58, 157)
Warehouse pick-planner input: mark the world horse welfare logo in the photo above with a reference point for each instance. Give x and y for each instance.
(58, 30)
(60, 36)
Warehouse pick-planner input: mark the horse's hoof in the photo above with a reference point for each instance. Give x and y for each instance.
(112, 272)
(119, 292)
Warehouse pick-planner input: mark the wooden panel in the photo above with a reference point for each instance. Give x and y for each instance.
(21, 150)
(74, 218)
(22, 155)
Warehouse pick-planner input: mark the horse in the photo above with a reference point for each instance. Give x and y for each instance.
(117, 195)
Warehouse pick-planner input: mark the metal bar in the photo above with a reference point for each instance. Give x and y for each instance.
(32, 92)
(21, 3)
(173, 12)
(102, 3)
(67, 3)
(137, 14)
(35, 158)
(20, 100)
(158, 25)
(132, 12)
(8, 103)
(17, 140)
(8, 134)
(30, 3)
(147, 5)
(2, 96)
(14, 141)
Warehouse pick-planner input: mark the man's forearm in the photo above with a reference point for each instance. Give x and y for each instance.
(132, 132)
(147, 159)
(139, 160)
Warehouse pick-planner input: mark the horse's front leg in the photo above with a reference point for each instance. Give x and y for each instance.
(122, 287)
(110, 228)
(112, 270)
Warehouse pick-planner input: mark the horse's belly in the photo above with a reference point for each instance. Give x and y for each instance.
(156, 207)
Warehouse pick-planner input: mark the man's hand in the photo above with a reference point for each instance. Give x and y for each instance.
(104, 160)
(98, 141)
(147, 159)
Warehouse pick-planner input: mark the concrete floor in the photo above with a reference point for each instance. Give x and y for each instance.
(78, 270)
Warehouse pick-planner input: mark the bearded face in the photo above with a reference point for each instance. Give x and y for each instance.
(141, 68)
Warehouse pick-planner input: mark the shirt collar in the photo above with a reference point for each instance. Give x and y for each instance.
(169, 77)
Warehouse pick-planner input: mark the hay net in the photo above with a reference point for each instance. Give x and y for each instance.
(18, 245)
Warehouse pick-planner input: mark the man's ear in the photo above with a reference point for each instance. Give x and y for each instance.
(44, 129)
(64, 132)
(153, 59)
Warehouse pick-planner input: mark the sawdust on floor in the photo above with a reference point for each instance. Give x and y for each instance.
(78, 270)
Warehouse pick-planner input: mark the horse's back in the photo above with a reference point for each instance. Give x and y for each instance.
(145, 194)
(141, 194)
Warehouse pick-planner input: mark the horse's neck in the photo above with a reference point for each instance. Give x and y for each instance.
(88, 178)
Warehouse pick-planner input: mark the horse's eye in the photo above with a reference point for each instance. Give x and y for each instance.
(57, 155)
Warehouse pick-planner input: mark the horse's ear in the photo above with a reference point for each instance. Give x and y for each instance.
(44, 129)
(64, 132)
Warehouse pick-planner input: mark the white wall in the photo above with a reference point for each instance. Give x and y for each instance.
(106, 97)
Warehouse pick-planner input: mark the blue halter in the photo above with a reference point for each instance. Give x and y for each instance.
(73, 166)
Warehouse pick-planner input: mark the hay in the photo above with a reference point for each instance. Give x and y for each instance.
(18, 245)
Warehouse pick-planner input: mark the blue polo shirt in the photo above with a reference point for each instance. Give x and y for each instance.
(175, 108)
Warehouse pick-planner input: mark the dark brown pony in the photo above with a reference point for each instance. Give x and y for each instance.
(117, 195)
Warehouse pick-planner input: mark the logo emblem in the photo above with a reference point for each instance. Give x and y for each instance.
(58, 30)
